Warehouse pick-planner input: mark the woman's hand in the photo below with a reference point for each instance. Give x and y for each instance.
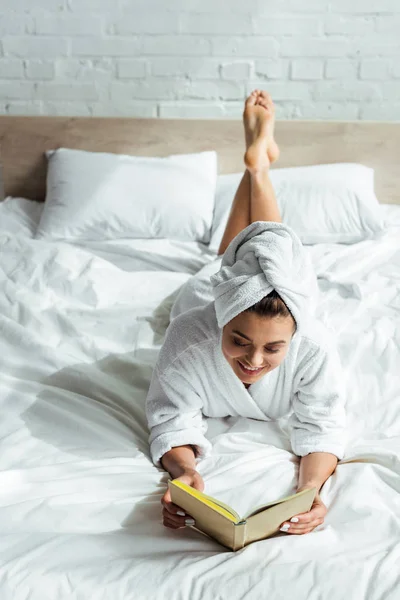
(173, 515)
(307, 521)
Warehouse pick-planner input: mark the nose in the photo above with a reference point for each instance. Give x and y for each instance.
(255, 359)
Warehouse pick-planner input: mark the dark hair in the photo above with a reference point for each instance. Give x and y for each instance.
(271, 305)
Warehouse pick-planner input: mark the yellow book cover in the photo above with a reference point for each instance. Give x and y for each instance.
(221, 522)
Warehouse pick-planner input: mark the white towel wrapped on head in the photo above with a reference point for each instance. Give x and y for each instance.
(265, 256)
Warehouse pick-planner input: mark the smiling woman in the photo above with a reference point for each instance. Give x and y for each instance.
(256, 350)
(257, 340)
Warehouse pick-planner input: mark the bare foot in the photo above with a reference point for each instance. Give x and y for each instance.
(259, 121)
(266, 101)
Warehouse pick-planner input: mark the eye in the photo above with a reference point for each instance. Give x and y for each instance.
(237, 343)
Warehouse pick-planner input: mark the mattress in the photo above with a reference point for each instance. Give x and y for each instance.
(80, 515)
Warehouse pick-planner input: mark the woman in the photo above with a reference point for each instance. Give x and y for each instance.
(253, 347)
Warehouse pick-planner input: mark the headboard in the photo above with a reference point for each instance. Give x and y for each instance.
(23, 141)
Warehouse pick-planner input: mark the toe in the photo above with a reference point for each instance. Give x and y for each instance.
(265, 95)
(251, 100)
(265, 105)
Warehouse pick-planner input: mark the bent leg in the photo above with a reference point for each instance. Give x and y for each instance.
(239, 216)
(263, 204)
(255, 198)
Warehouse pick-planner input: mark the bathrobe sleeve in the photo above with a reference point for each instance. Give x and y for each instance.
(319, 417)
(174, 414)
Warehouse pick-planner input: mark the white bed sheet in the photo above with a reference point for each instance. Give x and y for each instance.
(80, 512)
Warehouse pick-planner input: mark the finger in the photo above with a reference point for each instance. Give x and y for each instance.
(177, 519)
(173, 509)
(177, 522)
(318, 512)
(172, 524)
(296, 530)
(170, 506)
(300, 527)
(166, 497)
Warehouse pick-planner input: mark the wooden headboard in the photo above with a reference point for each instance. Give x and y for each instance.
(23, 141)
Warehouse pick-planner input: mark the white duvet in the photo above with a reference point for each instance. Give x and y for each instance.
(80, 513)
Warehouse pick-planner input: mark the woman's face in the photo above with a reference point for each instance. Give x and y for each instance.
(258, 343)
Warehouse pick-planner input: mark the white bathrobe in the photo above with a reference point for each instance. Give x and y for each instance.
(192, 378)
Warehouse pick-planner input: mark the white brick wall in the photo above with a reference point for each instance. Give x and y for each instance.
(320, 59)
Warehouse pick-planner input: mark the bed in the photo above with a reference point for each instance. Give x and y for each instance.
(81, 328)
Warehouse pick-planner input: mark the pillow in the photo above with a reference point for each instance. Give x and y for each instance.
(20, 216)
(98, 196)
(323, 204)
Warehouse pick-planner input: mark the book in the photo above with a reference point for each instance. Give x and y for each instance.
(219, 521)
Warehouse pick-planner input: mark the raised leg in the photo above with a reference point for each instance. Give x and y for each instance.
(255, 198)
(239, 217)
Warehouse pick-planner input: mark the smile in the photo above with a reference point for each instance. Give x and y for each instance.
(248, 371)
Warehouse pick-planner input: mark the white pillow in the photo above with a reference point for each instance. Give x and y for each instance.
(323, 204)
(97, 196)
